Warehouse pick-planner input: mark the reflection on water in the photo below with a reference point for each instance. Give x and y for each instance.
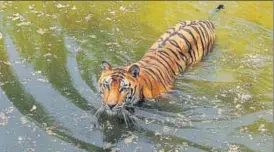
(49, 65)
(29, 107)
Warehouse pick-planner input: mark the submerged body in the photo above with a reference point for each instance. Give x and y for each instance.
(179, 47)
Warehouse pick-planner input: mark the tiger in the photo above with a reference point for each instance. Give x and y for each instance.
(180, 47)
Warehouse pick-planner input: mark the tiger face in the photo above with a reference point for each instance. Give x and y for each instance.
(118, 86)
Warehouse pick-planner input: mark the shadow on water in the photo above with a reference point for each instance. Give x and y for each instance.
(115, 131)
(24, 102)
(48, 54)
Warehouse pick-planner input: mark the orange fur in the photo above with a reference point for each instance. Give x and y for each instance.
(179, 47)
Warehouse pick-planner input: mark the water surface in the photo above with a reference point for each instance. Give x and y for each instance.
(50, 54)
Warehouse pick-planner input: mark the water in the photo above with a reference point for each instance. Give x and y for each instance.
(49, 65)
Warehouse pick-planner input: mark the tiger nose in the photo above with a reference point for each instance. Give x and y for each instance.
(111, 105)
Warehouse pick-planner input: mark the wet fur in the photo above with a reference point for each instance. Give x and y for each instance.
(178, 48)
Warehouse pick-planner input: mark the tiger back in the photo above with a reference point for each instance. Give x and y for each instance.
(179, 47)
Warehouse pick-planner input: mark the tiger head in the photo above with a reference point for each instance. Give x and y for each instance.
(118, 86)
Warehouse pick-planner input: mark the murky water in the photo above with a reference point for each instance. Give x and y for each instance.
(49, 65)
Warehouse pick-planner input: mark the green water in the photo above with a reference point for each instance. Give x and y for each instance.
(50, 55)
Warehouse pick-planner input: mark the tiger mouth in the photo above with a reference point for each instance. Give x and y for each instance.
(114, 109)
(117, 110)
(125, 113)
(112, 112)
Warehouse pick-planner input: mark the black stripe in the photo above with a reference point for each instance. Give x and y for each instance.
(167, 56)
(161, 74)
(164, 53)
(152, 77)
(119, 70)
(174, 43)
(181, 70)
(155, 65)
(178, 57)
(171, 57)
(141, 94)
(143, 66)
(212, 25)
(133, 91)
(118, 73)
(159, 79)
(194, 39)
(200, 36)
(156, 79)
(169, 49)
(117, 77)
(157, 59)
(174, 33)
(204, 39)
(170, 67)
(209, 41)
(208, 26)
(207, 35)
(151, 87)
(183, 56)
(187, 43)
(211, 44)
(154, 58)
(148, 70)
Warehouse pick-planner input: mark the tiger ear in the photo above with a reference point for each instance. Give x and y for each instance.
(105, 66)
(134, 70)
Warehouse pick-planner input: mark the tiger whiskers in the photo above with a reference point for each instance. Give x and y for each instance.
(129, 118)
(125, 117)
(99, 112)
(124, 112)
